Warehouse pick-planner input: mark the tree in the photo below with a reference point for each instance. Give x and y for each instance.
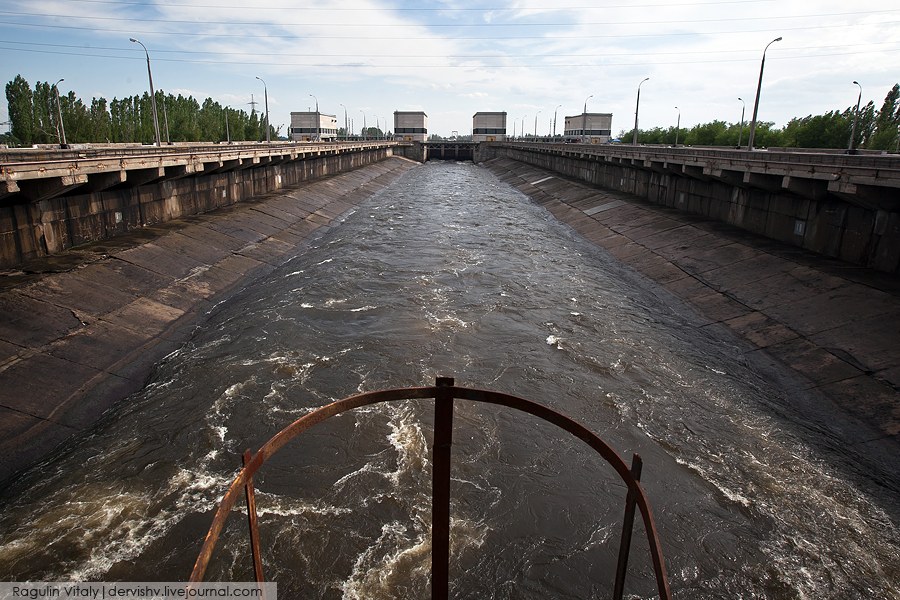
(19, 99)
(887, 122)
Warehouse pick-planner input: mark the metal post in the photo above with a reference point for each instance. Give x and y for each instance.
(637, 105)
(440, 489)
(535, 124)
(855, 120)
(345, 122)
(677, 126)
(152, 93)
(584, 118)
(252, 521)
(627, 528)
(227, 130)
(741, 131)
(762, 65)
(166, 119)
(554, 120)
(318, 120)
(62, 125)
(266, 98)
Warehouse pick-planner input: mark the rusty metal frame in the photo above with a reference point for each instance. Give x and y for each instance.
(443, 392)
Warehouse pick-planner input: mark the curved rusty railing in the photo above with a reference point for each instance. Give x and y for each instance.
(444, 392)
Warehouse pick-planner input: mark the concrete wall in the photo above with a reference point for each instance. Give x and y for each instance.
(830, 225)
(35, 229)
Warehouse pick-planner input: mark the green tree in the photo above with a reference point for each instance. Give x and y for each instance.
(887, 122)
(19, 98)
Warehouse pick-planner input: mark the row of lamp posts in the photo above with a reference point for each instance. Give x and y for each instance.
(634, 140)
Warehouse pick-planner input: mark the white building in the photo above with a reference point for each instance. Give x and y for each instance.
(589, 128)
(305, 128)
(410, 126)
(489, 127)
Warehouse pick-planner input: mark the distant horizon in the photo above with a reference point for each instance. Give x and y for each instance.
(370, 58)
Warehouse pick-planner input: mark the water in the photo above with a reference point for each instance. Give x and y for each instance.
(451, 272)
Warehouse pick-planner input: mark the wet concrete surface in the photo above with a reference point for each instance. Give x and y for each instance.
(82, 330)
(836, 325)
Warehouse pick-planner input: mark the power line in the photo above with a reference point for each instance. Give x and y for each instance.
(407, 65)
(425, 9)
(453, 25)
(131, 31)
(754, 51)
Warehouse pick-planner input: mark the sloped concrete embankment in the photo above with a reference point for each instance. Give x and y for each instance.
(836, 325)
(85, 333)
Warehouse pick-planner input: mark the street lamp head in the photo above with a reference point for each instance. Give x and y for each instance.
(133, 40)
(61, 80)
(856, 82)
(778, 39)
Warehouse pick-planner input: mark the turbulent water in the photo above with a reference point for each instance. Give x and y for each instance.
(451, 272)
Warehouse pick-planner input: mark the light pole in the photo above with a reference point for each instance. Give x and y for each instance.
(741, 130)
(677, 126)
(266, 97)
(227, 129)
(850, 149)
(362, 132)
(318, 120)
(762, 65)
(535, 124)
(554, 119)
(345, 121)
(152, 93)
(522, 128)
(637, 105)
(62, 125)
(584, 118)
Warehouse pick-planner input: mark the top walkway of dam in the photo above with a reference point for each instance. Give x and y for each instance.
(868, 179)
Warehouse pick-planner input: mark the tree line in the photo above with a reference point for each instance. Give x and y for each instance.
(875, 130)
(34, 117)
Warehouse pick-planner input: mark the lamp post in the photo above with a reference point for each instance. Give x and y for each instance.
(741, 130)
(554, 119)
(522, 128)
(535, 124)
(345, 121)
(62, 125)
(362, 132)
(152, 93)
(227, 129)
(850, 149)
(318, 120)
(637, 105)
(677, 126)
(266, 95)
(762, 65)
(584, 118)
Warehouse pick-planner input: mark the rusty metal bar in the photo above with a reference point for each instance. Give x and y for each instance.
(252, 521)
(446, 391)
(627, 529)
(440, 489)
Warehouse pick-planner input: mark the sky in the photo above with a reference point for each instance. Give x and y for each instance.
(530, 58)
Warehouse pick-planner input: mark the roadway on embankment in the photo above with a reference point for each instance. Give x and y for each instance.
(836, 325)
(82, 330)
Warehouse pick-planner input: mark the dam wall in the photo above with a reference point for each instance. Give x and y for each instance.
(843, 207)
(87, 200)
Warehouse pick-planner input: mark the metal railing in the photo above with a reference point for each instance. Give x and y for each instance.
(444, 392)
